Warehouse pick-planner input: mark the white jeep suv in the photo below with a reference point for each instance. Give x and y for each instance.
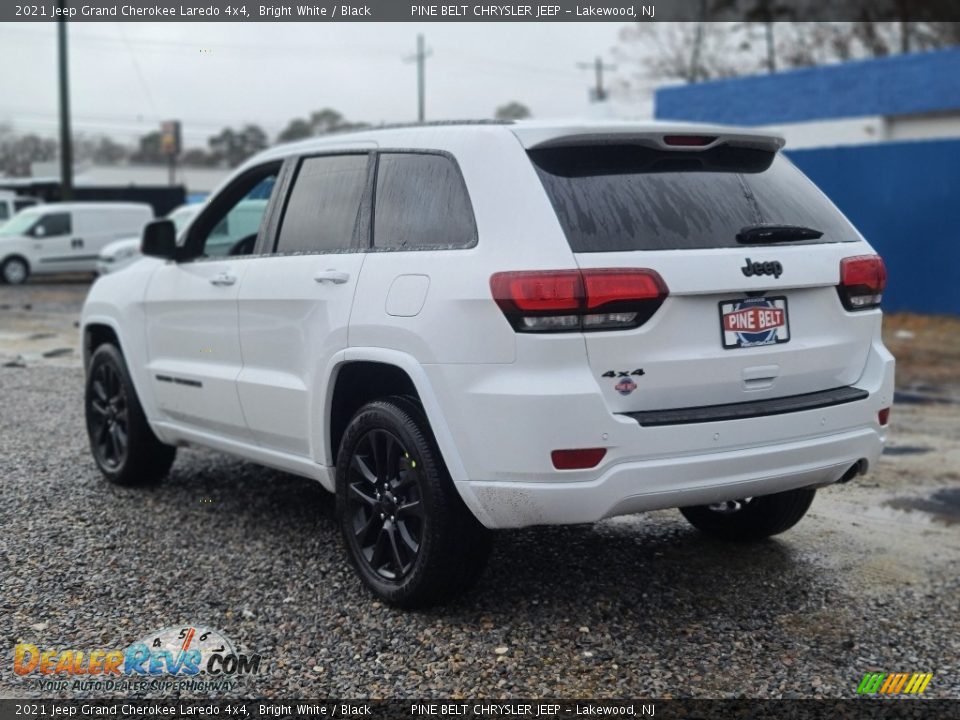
(464, 327)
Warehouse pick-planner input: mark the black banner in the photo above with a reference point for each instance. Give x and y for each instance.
(530, 11)
(853, 709)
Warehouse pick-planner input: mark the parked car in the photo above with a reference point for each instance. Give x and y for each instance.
(64, 237)
(11, 204)
(121, 253)
(466, 327)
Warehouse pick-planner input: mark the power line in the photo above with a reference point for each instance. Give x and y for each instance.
(136, 66)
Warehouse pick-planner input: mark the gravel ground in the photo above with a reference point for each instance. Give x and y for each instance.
(635, 606)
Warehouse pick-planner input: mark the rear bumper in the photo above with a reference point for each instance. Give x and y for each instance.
(505, 427)
(632, 487)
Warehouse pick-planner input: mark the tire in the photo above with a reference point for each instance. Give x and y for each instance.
(753, 518)
(407, 532)
(123, 445)
(14, 271)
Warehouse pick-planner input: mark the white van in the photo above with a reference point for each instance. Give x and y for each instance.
(65, 237)
(11, 204)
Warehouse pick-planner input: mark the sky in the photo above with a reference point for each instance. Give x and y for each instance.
(127, 77)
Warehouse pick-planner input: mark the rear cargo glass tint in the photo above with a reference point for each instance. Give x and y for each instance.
(628, 197)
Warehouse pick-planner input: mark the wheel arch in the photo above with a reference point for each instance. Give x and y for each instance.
(401, 365)
(96, 333)
(361, 375)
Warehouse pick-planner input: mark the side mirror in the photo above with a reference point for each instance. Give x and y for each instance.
(39, 231)
(159, 239)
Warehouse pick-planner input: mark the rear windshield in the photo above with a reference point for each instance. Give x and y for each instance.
(628, 197)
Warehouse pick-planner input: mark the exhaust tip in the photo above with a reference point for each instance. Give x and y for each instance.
(858, 468)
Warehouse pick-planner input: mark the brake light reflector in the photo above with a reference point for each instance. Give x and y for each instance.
(581, 459)
(862, 280)
(572, 300)
(883, 417)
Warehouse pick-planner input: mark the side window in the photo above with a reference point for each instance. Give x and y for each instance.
(233, 230)
(421, 202)
(324, 204)
(4, 211)
(52, 225)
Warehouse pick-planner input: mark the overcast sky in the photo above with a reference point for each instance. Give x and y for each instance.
(126, 77)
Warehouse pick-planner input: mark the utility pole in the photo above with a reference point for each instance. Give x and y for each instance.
(598, 93)
(420, 58)
(694, 73)
(771, 48)
(66, 147)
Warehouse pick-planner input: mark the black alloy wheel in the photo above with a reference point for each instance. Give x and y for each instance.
(121, 440)
(407, 531)
(385, 504)
(109, 417)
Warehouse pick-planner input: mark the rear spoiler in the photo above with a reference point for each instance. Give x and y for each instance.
(673, 140)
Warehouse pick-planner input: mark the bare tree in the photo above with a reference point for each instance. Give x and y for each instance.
(320, 122)
(696, 51)
(19, 152)
(512, 111)
(234, 146)
(690, 51)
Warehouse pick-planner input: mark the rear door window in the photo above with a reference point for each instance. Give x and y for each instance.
(324, 207)
(421, 203)
(628, 197)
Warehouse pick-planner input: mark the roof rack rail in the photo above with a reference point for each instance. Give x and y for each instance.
(401, 126)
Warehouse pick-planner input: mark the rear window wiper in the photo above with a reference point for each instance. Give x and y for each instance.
(758, 234)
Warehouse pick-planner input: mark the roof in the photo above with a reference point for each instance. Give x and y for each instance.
(530, 133)
(909, 84)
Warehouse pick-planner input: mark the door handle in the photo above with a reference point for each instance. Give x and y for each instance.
(223, 278)
(332, 276)
(76, 243)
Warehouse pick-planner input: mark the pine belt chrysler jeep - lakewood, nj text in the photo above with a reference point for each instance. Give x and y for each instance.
(473, 326)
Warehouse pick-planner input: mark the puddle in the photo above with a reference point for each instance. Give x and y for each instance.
(906, 450)
(943, 506)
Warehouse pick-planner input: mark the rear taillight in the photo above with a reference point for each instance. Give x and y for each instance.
(862, 280)
(578, 300)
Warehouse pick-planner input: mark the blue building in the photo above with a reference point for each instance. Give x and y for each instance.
(881, 138)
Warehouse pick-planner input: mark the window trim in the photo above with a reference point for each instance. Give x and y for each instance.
(421, 248)
(189, 252)
(363, 224)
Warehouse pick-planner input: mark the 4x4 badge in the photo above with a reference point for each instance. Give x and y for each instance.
(762, 268)
(623, 373)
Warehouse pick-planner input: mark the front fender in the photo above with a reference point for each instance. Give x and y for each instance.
(116, 301)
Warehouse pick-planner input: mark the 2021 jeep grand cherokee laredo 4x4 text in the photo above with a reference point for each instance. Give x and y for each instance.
(458, 328)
